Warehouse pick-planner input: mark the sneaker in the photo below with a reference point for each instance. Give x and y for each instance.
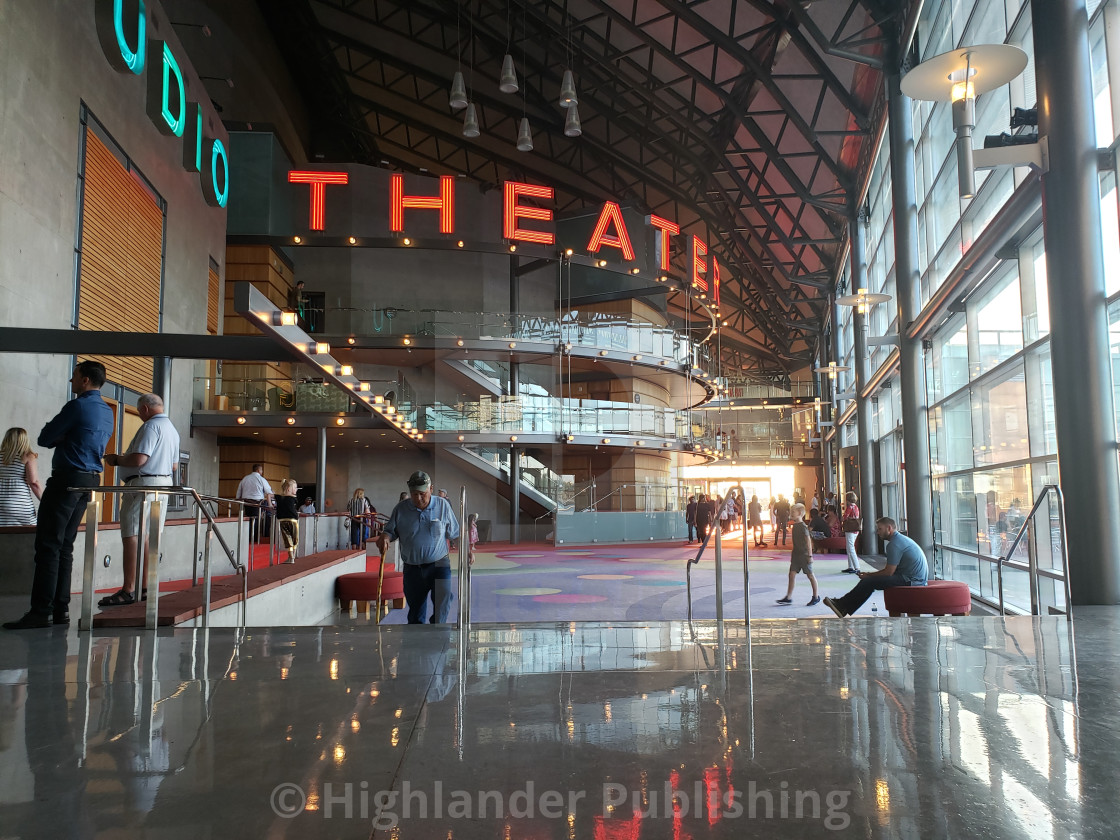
(831, 604)
(785, 600)
(61, 616)
(816, 599)
(850, 572)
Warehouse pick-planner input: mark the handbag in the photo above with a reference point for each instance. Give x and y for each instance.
(851, 526)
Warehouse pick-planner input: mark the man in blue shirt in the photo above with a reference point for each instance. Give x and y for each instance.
(906, 566)
(78, 434)
(424, 524)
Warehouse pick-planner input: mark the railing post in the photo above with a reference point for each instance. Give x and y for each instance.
(464, 569)
(151, 614)
(719, 570)
(206, 572)
(93, 517)
(141, 541)
(240, 528)
(197, 528)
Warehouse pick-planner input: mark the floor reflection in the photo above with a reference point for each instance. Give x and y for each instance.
(871, 728)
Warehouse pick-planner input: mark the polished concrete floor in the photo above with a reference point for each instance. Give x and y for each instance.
(866, 727)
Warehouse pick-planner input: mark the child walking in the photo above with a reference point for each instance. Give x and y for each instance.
(287, 516)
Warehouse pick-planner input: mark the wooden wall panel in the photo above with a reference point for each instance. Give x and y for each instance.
(121, 265)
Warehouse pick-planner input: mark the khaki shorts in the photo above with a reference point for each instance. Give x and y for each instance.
(801, 564)
(132, 504)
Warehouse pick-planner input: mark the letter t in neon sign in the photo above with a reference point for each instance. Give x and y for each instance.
(318, 182)
(699, 264)
(666, 229)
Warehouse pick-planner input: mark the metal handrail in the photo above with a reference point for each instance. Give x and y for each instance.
(85, 622)
(692, 561)
(1033, 572)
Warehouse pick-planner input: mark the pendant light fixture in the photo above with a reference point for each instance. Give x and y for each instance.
(572, 127)
(458, 97)
(568, 98)
(524, 133)
(470, 122)
(524, 136)
(470, 118)
(508, 82)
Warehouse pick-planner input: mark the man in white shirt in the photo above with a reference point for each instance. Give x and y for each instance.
(152, 459)
(254, 488)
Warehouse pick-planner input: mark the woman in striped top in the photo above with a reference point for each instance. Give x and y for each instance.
(19, 479)
(359, 509)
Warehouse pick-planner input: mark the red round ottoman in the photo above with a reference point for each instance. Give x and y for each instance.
(938, 597)
(362, 587)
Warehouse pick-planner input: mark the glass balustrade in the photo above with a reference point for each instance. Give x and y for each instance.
(593, 330)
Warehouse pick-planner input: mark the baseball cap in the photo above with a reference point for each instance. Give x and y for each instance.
(419, 480)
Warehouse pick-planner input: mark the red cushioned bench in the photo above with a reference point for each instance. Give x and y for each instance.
(362, 588)
(831, 545)
(938, 597)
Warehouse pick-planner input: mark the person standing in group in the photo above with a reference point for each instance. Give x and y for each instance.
(801, 557)
(424, 524)
(359, 509)
(78, 434)
(287, 517)
(781, 519)
(851, 525)
(258, 492)
(19, 479)
(150, 460)
(754, 516)
(308, 507)
(703, 518)
(690, 519)
(472, 537)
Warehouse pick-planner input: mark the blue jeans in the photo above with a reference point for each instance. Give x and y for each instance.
(862, 591)
(422, 579)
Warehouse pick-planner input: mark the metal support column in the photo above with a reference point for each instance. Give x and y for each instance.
(161, 380)
(864, 417)
(1079, 348)
(912, 371)
(321, 471)
(834, 408)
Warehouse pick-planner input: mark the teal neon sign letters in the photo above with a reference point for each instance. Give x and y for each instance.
(122, 29)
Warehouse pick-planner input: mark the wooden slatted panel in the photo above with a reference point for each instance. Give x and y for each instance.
(121, 265)
(212, 303)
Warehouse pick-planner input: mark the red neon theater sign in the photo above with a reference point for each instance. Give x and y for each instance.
(512, 210)
(610, 229)
(444, 202)
(318, 182)
(611, 214)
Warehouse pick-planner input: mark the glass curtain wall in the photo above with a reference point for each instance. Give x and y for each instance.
(988, 378)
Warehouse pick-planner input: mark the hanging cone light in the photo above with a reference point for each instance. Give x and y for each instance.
(568, 96)
(572, 127)
(458, 98)
(470, 122)
(508, 81)
(524, 136)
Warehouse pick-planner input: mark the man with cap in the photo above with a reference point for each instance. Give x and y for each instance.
(424, 524)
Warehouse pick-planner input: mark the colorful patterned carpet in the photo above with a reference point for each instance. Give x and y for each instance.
(539, 582)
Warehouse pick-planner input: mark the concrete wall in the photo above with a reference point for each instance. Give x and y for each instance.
(51, 63)
(17, 552)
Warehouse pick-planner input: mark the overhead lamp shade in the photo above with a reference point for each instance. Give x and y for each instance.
(458, 98)
(470, 122)
(524, 136)
(508, 82)
(568, 96)
(572, 128)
